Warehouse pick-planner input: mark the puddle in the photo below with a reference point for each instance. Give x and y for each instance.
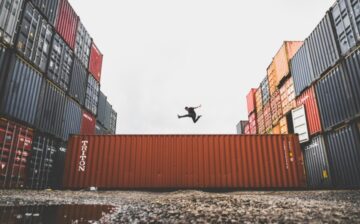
(57, 214)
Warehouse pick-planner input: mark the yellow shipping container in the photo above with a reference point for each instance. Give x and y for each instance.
(284, 126)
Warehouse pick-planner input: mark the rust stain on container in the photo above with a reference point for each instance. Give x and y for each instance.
(184, 162)
(258, 100)
(287, 92)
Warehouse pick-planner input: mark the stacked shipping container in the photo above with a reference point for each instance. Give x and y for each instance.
(46, 86)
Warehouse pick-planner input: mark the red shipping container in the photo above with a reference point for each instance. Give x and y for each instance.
(267, 117)
(251, 105)
(253, 124)
(95, 65)
(88, 123)
(308, 99)
(276, 107)
(247, 129)
(15, 144)
(261, 122)
(184, 162)
(67, 23)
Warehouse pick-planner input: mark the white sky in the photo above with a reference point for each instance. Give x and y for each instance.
(161, 55)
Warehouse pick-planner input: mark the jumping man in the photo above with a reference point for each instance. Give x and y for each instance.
(191, 113)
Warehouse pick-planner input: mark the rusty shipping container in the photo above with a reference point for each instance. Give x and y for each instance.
(271, 75)
(88, 123)
(267, 117)
(260, 122)
(308, 99)
(67, 23)
(95, 63)
(184, 162)
(253, 124)
(258, 100)
(287, 93)
(250, 98)
(10, 11)
(276, 107)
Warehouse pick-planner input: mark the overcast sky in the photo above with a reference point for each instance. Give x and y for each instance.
(161, 55)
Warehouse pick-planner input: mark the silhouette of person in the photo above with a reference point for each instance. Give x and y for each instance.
(191, 113)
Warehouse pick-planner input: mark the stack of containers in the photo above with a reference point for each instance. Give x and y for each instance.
(251, 108)
(50, 72)
(326, 78)
(241, 126)
(105, 123)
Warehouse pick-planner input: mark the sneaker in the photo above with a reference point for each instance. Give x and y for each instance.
(179, 116)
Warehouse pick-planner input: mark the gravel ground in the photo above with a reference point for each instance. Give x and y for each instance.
(203, 207)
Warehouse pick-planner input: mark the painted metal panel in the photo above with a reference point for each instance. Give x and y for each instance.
(50, 112)
(271, 75)
(267, 117)
(41, 162)
(101, 116)
(276, 107)
(308, 99)
(67, 23)
(264, 85)
(284, 128)
(240, 127)
(108, 109)
(60, 63)
(34, 37)
(287, 93)
(15, 145)
(316, 163)
(78, 82)
(92, 95)
(261, 122)
(344, 156)
(10, 11)
(184, 162)
(323, 48)
(95, 64)
(59, 166)
(49, 8)
(334, 97)
(5, 56)
(300, 124)
(83, 44)
(301, 69)
(20, 96)
(253, 124)
(247, 129)
(101, 130)
(276, 130)
(258, 100)
(250, 99)
(72, 119)
(88, 123)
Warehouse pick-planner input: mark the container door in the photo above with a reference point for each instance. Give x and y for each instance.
(300, 124)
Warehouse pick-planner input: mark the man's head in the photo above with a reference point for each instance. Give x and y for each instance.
(186, 108)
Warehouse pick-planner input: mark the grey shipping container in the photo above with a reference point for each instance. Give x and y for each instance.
(34, 37)
(78, 82)
(59, 162)
(113, 121)
(48, 7)
(41, 163)
(316, 163)
(301, 69)
(60, 63)
(264, 85)
(101, 108)
(4, 61)
(108, 109)
(344, 156)
(10, 11)
(101, 130)
(92, 95)
(50, 111)
(83, 44)
(21, 92)
(323, 48)
(72, 118)
(240, 127)
(334, 98)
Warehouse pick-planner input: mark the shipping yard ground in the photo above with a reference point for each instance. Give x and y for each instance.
(186, 206)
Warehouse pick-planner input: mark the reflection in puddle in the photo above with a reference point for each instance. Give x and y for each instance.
(57, 214)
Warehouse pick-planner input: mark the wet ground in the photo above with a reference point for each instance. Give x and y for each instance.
(179, 207)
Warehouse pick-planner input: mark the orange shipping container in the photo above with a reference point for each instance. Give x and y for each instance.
(267, 117)
(287, 92)
(282, 59)
(271, 73)
(284, 126)
(261, 122)
(184, 162)
(276, 129)
(250, 98)
(276, 107)
(258, 100)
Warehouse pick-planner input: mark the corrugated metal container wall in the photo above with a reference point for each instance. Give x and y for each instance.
(240, 126)
(67, 23)
(92, 95)
(316, 163)
(21, 92)
(323, 48)
(250, 98)
(10, 11)
(113, 121)
(60, 63)
(301, 69)
(258, 100)
(287, 93)
(267, 117)
(300, 124)
(88, 123)
(261, 122)
(264, 85)
(344, 156)
(15, 145)
(95, 63)
(41, 163)
(108, 109)
(83, 44)
(352, 65)
(59, 163)
(49, 8)
(78, 82)
(4, 62)
(276, 107)
(101, 108)
(284, 129)
(101, 130)
(346, 33)
(308, 99)
(72, 118)
(34, 38)
(334, 97)
(253, 124)
(271, 75)
(51, 108)
(184, 162)
(282, 58)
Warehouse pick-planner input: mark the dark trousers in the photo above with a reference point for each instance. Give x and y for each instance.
(193, 116)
